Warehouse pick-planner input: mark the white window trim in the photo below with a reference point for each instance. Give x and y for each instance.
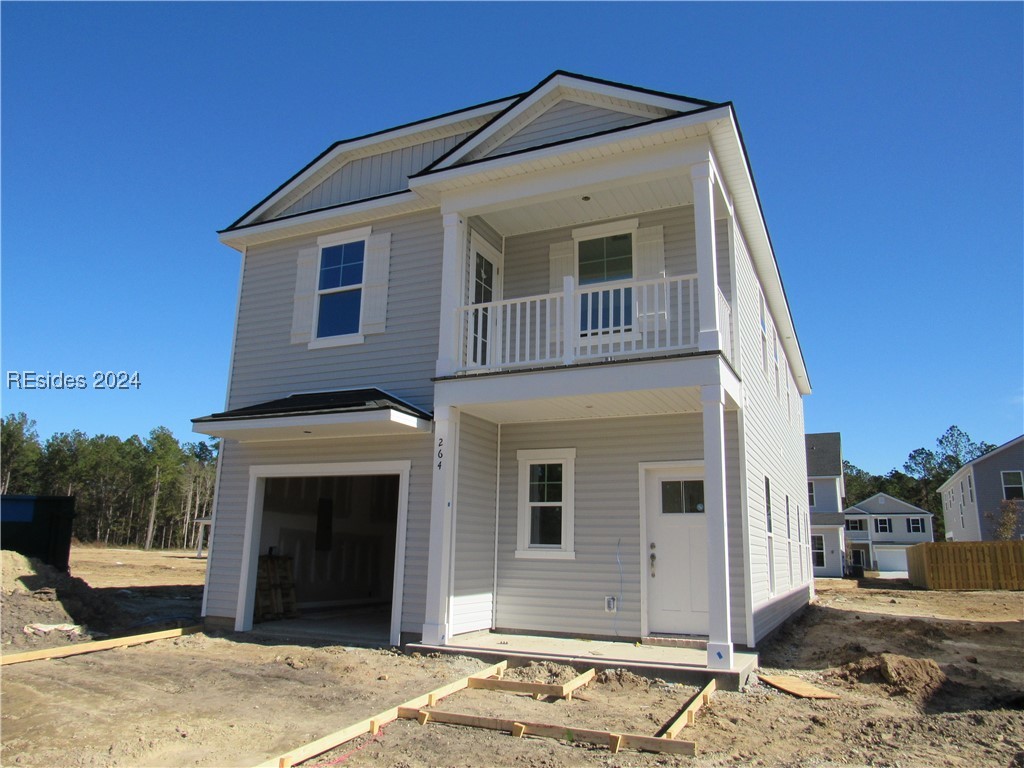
(913, 522)
(596, 232)
(326, 241)
(1002, 479)
(567, 458)
(888, 524)
(810, 494)
(816, 550)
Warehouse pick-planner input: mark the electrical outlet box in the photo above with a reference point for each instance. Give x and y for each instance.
(609, 604)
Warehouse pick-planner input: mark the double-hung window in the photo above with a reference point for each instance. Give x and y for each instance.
(883, 525)
(855, 524)
(339, 288)
(605, 255)
(915, 525)
(546, 503)
(1013, 485)
(810, 493)
(818, 550)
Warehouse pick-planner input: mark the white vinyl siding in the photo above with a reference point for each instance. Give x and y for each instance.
(371, 176)
(232, 497)
(473, 556)
(402, 360)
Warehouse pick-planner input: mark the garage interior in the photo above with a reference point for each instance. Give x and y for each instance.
(336, 536)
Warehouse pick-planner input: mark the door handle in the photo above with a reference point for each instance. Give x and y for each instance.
(654, 557)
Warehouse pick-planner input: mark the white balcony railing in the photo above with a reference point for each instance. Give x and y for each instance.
(725, 322)
(608, 320)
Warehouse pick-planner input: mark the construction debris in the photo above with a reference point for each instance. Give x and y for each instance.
(796, 687)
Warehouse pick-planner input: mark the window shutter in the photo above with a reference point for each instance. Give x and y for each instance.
(305, 296)
(375, 282)
(562, 256)
(650, 253)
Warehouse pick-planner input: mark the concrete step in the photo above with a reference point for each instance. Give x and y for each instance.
(677, 641)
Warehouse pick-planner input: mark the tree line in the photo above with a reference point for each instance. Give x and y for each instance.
(134, 492)
(918, 481)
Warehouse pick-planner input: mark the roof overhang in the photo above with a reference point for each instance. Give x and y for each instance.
(318, 426)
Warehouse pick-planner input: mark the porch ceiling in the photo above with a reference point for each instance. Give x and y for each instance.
(653, 402)
(602, 204)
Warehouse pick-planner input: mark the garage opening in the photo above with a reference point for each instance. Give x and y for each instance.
(326, 566)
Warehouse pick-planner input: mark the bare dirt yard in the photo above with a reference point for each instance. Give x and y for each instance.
(923, 678)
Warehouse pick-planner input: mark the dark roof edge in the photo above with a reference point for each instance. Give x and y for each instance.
(244, 227)
(342, 142)
(523, 96)
(427, 171)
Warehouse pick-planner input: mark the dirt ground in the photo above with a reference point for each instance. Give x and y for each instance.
(924, 679)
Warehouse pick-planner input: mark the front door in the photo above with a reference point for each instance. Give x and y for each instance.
(484, 289)
(675, 552)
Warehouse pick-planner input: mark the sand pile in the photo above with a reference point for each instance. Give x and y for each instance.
(915, 678)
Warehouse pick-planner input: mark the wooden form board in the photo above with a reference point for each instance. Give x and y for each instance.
(538, 690)
(99, 645)
(614, 741)
(689, 712)
(373, 724)
(796, 687)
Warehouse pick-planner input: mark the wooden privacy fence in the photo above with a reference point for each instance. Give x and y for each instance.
(967, 565)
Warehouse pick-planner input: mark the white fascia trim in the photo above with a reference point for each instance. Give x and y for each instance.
(379, 138)
(569, 147)
(241, 429)
(378, 206)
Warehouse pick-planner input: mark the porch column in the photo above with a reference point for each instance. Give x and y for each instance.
(719, 621)
(436, 618)
(709, 337)
(452, 292)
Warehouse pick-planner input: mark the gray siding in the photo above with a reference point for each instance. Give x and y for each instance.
(372, 175)
(527, 257)
(226, 552)
(473, 587)
(826, 495)
(401, 360)
(568, 595)
(989, 485)
(773, 441)
(834, 553)
(565, 120)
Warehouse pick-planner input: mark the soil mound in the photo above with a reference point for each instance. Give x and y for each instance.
(623, 679)
(914, 678)
(35, 593)
(542, 672)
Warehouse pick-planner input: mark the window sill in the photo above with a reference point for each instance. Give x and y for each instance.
(336, 341)
(544, 554)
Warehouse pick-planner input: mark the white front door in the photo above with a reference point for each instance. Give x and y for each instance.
(676, 551)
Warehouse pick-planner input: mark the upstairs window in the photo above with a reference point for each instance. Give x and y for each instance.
(810, 493)
(340, 289)
(856, 524)
(883, 525)
(915, 525)
(1013, 485)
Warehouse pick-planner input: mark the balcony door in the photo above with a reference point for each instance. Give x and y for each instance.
(484, 289)
(607, 259)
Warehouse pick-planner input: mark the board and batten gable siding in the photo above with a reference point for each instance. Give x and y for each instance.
(229, 529)
(473, 555)
(527, 257)
(565, 120)
(774, 447)
(567, 596)
(401, 360)
(988, 485)
(372, 175)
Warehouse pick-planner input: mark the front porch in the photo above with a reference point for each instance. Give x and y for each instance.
(675, 664)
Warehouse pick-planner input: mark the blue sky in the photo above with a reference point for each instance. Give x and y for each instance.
(886, 141)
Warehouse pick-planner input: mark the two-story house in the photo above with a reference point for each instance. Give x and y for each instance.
(826, 490)
(525, 366)
(880, 529)
(972, 496)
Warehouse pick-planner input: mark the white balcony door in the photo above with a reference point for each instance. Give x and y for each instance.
(485, 287)
(676, 559)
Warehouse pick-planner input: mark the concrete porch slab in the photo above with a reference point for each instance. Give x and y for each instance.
(683, 665)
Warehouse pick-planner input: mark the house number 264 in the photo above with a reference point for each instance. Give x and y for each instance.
(440, 451)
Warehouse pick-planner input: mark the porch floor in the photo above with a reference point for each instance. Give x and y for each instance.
(687, 665)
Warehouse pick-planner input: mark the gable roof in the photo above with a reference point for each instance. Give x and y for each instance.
(884, 504)
(984, 457)
(824, 454)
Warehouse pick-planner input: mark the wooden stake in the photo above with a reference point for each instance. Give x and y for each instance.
(99, 645)
(689, 712)
(518, 729)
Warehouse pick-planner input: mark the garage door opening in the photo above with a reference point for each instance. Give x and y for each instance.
(327, 556)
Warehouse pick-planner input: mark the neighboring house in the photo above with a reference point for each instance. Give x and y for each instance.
(527, 366)
(972, 496)
(879, 530)
(826, 489)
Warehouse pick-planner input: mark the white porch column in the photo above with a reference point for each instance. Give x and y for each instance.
(720, 654)
(709, 337)
(452, 291)
(442, 538)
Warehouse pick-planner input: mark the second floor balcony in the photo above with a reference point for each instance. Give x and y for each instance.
(610, 320)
